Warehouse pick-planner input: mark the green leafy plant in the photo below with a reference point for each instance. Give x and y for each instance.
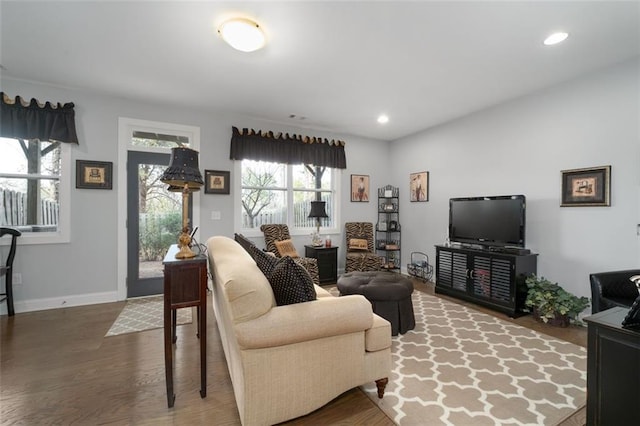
(551, 303)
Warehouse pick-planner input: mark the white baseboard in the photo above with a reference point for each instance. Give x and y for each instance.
(61, 302)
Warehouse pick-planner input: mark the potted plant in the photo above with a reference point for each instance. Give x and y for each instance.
(552, 304)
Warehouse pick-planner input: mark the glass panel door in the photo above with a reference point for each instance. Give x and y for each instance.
(154, 221)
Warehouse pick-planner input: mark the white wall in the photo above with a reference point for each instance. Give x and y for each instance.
(85, 270)
(520, 148)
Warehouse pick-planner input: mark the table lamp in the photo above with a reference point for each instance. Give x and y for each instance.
(317, 212)
(183, 172)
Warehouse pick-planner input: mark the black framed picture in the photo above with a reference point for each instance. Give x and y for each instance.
(586, 187)
(217, 182)
(360, 188)
(419, 186)
(94, 174)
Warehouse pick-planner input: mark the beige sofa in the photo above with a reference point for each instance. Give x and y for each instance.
(287, 361)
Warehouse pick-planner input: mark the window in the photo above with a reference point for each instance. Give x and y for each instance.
(278, 193)
(34, 189)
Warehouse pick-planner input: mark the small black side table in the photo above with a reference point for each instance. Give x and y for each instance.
(327, 261)
(185, 284)
(613, 370)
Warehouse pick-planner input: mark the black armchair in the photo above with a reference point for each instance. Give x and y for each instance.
(611, 289)
(7, 270)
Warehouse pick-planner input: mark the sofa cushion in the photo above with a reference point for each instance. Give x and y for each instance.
(358, 244)
(286, 248)
(265, 261)
(247, 290)
(291, 283)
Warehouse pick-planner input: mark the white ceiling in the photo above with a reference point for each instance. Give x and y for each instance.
(339, 64)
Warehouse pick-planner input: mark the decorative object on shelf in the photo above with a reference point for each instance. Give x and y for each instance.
(327, 242)
(217, 182)
(360, 188)
(419, 266)
(586, 187)
(552, 304)
(317, 211)
(94, 174)
(394, 226)
(419, 186)
(183, 172)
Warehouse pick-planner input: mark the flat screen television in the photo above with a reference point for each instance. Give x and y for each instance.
(495, 221)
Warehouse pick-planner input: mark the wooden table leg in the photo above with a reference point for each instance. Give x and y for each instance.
(202, 328)
(168, 353)
(174, 324)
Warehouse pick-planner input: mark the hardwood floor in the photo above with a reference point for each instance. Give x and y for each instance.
(56, 367)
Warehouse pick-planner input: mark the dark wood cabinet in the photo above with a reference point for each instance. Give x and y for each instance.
(185, 285)
(492, 279)
(613, 370)
(327, 262)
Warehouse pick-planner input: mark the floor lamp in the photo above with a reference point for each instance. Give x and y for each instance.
(183, 172)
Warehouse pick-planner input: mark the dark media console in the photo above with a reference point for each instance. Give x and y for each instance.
(493, 278)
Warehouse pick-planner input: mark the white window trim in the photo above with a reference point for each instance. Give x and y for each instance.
(256, 232)
(62, 234)
(126, 127)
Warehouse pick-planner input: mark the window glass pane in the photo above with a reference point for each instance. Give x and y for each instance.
(31, 203)
(259, 174)
(158, 140)
(305, 177)
(12, 159)
(260, 206)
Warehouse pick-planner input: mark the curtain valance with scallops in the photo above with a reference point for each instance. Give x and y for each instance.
(32, 120)
(288, 149)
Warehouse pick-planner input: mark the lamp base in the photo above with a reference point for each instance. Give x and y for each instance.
(183, 243)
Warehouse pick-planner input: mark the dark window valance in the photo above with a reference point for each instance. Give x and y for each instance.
(289, 149)
(32, 120)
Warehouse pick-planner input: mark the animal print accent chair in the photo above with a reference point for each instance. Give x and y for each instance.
(280, 232)
(361, 260)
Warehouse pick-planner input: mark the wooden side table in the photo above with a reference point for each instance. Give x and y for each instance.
(327, 261)
(613, 369)
(185, 285)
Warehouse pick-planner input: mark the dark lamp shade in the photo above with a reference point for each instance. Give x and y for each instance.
(317, 209)
(183, 168)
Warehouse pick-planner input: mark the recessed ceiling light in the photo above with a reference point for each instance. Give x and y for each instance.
(242, 34)
(555, 38)
(383, 119)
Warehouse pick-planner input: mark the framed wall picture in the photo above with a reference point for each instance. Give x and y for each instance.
(217, 182)
(419, 186)
(360, 188)
(586, 187)
(94, 174)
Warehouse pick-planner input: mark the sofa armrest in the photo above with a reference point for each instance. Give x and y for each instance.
(324, 317)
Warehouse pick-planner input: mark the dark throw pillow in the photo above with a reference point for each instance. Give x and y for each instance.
(291, 283)
(265, 261)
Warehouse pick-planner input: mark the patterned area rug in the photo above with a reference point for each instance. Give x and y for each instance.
(145, 314)
(462, 367)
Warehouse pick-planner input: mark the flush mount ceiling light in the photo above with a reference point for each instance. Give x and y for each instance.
(242, 34)
(555, 38)
(383, 119)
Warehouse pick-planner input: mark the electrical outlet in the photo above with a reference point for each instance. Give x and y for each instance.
(215, 215)
(17, 279)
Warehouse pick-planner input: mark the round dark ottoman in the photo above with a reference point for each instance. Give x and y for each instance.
(388, 292)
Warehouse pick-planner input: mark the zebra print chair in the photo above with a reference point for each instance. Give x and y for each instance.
(359, 258)
(280, 232)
